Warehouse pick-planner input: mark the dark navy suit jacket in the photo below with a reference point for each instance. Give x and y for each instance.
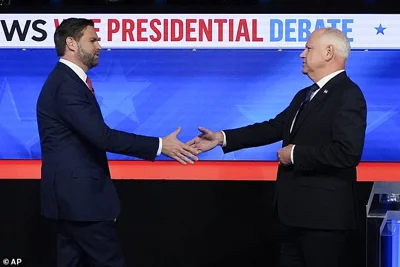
(74, 139)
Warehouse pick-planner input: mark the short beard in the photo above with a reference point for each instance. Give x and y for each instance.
(86, 58)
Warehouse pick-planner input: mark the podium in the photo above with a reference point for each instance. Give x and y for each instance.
(383, 225)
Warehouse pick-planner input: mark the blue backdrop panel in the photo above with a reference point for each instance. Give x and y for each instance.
(152, 92)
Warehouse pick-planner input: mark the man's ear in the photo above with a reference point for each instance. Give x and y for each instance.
(329, 52)
(71, 44)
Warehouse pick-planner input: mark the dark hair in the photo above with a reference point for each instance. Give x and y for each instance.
(72, 27)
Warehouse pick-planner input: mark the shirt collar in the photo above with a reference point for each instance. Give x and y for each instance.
(78, 70)
(327, 78)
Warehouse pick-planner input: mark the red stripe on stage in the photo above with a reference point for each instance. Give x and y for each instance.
(202, 170)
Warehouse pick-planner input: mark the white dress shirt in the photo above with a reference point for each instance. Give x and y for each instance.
(81, 74)
(320, 84)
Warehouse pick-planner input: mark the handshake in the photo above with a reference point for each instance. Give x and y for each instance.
(187, 153)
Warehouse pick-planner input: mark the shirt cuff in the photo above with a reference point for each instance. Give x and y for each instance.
(159, 147)
(291, 154)
(224, 142)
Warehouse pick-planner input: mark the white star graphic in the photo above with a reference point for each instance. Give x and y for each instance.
(115, 96)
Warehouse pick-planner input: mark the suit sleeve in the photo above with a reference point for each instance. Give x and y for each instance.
(86, 119)
(258, 134)
(348, 135)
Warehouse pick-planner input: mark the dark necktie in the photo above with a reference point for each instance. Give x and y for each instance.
(89, 83)
(310, 91)
(307, 99)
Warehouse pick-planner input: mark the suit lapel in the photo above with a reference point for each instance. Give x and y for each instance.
(71, 73)
(309, 110)
(312, 107)
(295, 109)
(74, 76)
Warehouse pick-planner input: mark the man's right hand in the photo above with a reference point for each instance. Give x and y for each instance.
(173, 148)
(206, 140)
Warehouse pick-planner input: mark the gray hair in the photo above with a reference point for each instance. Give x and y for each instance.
(338, 40)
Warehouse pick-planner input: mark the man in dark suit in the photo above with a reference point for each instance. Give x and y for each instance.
(76, 189)
(323, 132)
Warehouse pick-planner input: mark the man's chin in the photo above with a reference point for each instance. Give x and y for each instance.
(94, 64)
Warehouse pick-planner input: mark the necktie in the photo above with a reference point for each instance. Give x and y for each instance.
(89, 83)
(307, 99)
(310, 91)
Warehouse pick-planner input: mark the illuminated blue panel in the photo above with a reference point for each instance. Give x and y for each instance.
(153, 92)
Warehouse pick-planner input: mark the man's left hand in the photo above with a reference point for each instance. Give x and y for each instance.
(284, 155)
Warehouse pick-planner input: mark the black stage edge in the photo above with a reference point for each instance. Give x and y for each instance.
(168, 223)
